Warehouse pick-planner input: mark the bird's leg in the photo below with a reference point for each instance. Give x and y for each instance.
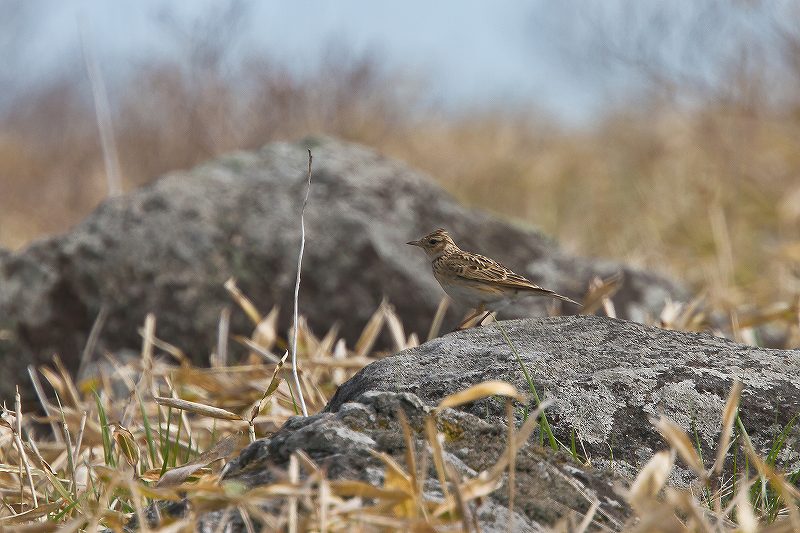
(478, 310)
(480, 322)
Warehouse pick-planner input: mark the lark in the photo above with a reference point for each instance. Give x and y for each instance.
(476, 280)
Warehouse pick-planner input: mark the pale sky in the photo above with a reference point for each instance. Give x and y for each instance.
(474, 53)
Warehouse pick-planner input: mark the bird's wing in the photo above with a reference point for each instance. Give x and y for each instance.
(474, 267)
(482, 269)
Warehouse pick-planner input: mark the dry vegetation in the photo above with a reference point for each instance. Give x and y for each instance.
(707, 192)
(156, 428)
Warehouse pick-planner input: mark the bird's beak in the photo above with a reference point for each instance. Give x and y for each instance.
(413, 243)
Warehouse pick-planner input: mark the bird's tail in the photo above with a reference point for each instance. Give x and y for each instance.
(564, 298)
(552, 294)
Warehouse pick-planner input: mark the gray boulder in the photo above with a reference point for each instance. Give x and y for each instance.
(548, 485)
(608, 379)
(168, 248)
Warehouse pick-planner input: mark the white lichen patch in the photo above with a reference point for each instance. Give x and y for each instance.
(589, 412)
(689, 408)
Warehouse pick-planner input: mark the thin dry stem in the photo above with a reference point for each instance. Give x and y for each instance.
(298, 387)
(21, 450)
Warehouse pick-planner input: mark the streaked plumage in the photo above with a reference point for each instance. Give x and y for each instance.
(476, 280)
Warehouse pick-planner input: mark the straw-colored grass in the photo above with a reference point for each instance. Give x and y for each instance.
(156, 428)
(706, 194)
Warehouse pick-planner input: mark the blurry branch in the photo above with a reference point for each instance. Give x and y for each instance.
(297, 291)
(209, 39)
(103, 115)
(681, 51)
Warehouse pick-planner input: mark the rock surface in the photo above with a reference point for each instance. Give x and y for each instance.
(608, 379)
(548, 485)
(168, 248)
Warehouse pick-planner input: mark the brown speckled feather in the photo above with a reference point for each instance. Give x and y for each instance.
(477, 270)
(474, 278)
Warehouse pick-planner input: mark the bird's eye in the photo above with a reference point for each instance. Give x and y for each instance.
(432, 241)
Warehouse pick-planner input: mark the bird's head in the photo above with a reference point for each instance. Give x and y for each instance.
(435, 244)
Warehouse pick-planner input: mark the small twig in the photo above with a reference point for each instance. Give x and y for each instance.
(23, 457)
(223, 330)
(297, 291)
(37, 386)
(248, 523)
(91, 341)
(79, 438)
(70, 450)
(251, 430)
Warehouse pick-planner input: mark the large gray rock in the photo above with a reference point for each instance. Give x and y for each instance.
(168, 248)
(608, 379)
(548, 485)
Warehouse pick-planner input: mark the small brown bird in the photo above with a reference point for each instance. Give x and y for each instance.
(476, 280)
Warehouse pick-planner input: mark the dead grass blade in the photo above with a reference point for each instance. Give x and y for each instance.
(31, 514)
(257, 349)
(168, 348)
(91, 341)
(347, 488)
(294, 479)
(220, 450)
(480, 391)
(788, 493)
(223, 330)
(438, 456)
(680, 441)
(370, 332)
(71, 391)
(266, 331)
(243, 301)
(650, 481)
(438, 318)
(21, 449)
(271, 388)
(55, 381)
(728, 419)
(685, 504)
(777, 312)
(395, 327)
(196, 408)
(588, 517)
(37, 386)
(600, 292)
(461, 503)
(146, 378)
(523, 434)
(745, 516)
(410, 454)
(127, 445)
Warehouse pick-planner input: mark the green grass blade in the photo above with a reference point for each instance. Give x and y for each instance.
(108, 452)
(148, 432)
(545, 425)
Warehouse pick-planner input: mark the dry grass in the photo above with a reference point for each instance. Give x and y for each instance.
(157, 428)
(707, 196)
(706, 193)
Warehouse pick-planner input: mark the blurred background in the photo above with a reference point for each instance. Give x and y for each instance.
(666, 135)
